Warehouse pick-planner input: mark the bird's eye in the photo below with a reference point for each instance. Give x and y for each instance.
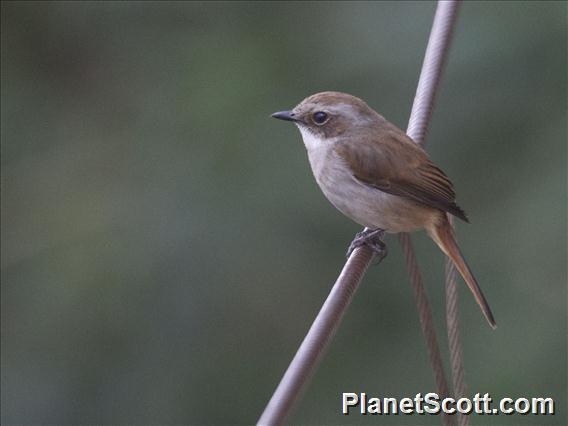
(320, 117)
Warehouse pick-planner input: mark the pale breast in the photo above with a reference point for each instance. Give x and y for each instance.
(367, 206)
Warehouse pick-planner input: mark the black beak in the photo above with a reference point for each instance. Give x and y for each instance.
(284, 115)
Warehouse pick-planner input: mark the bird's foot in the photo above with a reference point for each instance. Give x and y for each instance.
(371, 238)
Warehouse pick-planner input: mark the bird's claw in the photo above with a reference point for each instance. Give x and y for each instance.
(371, 238)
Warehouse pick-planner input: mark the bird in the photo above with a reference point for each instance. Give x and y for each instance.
(376, 175)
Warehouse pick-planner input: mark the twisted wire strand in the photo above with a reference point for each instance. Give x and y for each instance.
(316, 341)
(434, 61)
(426, 320)
(430, 75)
(454, 338)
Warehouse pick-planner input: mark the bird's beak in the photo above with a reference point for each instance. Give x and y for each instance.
(284, 115)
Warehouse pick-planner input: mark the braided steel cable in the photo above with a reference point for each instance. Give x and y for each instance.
(434, 61)
(431, 73)
(426, 320)
(316, 341)
(454, 338)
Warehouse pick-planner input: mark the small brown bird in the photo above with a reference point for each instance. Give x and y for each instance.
(372, 172)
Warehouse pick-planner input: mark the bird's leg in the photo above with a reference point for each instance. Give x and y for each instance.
(371, 238)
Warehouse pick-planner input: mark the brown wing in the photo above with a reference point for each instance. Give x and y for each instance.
(393, 163)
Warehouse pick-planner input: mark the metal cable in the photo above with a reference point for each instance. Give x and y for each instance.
(426, 320)
(434, 60)
(454, 338)
(316, 341)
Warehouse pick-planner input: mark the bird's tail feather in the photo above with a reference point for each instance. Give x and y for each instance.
(443, 235)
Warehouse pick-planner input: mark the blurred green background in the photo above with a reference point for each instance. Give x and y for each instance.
(165, 247)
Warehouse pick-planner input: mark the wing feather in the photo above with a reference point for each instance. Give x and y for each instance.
(394, 164)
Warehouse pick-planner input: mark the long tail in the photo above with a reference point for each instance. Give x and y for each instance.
(443, 235)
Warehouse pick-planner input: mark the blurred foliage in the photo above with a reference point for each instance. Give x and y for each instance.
(165, 247)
